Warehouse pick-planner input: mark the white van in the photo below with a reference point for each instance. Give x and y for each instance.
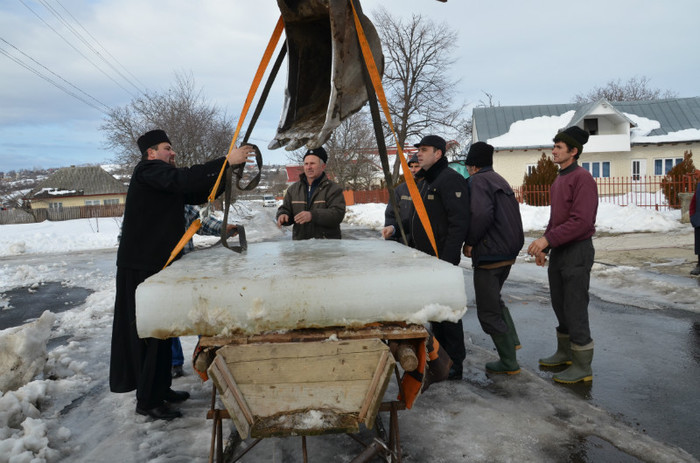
(269, 200)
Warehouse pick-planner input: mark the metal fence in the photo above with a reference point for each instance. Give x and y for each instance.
(642, 191)
(658, 192)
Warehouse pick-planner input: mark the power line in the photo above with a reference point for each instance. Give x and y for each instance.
(101, 46)
(53, 82)
(85, 41)
(74, 48)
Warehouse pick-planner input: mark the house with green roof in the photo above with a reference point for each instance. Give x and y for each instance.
(634, 139)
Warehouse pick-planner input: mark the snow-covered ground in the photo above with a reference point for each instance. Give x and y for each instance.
(55, 403)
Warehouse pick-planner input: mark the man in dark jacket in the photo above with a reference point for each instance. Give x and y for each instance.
(314, 204)
(153, 225)
(405, 203)
(494, 241)
(568, 239)
(446, 200)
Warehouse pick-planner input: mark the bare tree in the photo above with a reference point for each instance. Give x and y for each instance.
(197, 130)
(635, 89)
(421, 96)
(352, 153)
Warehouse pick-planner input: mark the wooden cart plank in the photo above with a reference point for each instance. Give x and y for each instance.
(341, 367)
(383, 331)
(345, 397)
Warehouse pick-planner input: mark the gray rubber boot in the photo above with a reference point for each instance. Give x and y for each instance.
(511, 327)
(580, 369)
(507, 363)
(563, 354)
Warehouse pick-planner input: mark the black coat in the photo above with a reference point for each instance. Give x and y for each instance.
(153, 224)
(153, 216)
(405, 203)
(446, 199)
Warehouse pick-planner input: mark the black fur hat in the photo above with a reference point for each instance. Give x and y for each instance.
(480, 155)
(152, 138)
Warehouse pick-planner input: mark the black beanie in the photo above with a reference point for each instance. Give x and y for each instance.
(152, 138)
(480, 155)
(573, 136)
(320, 152)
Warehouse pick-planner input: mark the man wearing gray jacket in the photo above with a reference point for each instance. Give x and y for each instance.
(314, 205)
(493, 242)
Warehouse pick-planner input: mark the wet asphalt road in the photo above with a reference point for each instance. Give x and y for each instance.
(646, 364)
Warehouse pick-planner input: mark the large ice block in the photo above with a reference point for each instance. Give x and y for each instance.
(298, 284)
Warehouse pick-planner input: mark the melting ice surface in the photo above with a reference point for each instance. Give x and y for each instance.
(298, 284)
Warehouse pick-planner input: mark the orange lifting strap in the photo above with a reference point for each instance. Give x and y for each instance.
(272, 44)
(379, 90)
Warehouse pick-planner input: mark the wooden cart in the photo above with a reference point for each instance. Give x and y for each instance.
(308, 382)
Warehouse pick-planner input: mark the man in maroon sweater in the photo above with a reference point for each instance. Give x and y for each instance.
(567, 239)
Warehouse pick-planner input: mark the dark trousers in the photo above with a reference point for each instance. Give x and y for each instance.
(489, 304)
(135, 363)
(451, 338)
(569, 278)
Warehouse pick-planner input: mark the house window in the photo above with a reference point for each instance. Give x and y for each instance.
(636, 170)
(55, 206)
(529, 168)
(108, 202)
(92, 202)
(597, 169)
(662, 166)
(591, 126)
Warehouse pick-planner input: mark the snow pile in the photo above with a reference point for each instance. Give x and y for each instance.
(536, 131)
(23, 352)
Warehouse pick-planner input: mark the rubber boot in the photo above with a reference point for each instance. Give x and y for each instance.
(507, 364)
(511, 327)
(563, 354)
(580, 369)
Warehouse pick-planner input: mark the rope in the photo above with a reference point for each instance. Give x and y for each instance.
(377, 83)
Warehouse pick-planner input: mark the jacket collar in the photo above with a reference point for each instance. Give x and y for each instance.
(569, 168)
(318, 181)
(432, 173)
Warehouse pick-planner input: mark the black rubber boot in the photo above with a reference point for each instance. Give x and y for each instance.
(507, 363)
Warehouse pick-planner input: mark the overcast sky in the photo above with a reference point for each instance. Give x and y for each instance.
(519, 53)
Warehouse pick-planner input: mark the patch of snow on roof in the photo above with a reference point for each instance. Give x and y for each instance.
(644, 126)
(537, 131)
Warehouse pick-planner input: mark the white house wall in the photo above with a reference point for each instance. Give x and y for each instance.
(608, 143)
(512, 165)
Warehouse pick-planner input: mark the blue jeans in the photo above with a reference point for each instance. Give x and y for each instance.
(178, 356)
